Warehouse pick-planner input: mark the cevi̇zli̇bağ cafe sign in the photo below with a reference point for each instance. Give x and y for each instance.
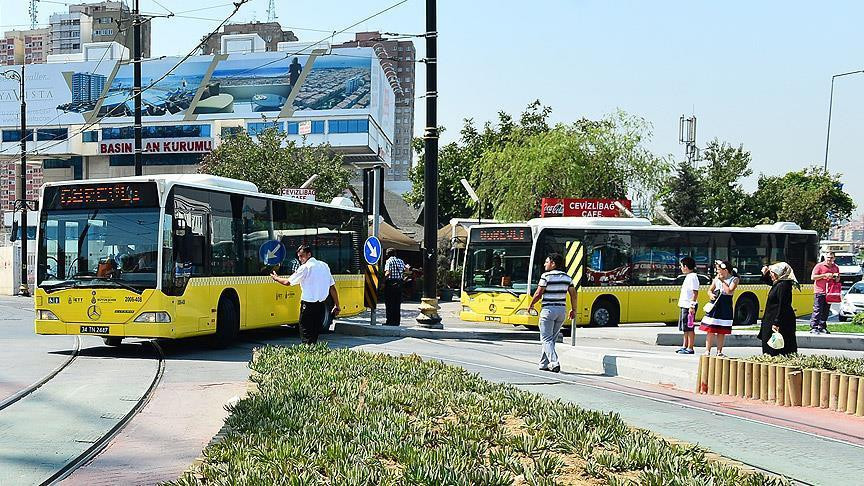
(588, 208)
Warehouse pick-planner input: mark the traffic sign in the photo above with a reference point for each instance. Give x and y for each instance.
(372, 250)
(272, 252)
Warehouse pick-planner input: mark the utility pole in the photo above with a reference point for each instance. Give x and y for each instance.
(21, 189)
(429, 307)
(136, 88)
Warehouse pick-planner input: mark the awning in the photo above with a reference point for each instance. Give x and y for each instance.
(445, 235)
(393, 238)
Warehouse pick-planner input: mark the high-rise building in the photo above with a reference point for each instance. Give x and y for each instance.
(9, 182)
(397, 58)
(69, 31)
(87, 87)
(24, 46)
(112, 21)
(271, 32)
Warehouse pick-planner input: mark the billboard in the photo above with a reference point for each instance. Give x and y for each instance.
(604, 208)
(342, 82)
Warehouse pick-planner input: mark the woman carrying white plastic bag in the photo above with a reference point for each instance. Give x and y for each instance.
(779, 315)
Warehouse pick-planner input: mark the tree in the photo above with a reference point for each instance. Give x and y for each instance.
(597, 159)
(724, 201)
(682, 196)
(458, 160)
(273, 162)
(812, 198)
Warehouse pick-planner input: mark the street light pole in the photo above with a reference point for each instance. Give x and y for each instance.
(830, 109)
(429, 307)
(21, 191)
(136, 88)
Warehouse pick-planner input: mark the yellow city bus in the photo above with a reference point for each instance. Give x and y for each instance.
(628, 268)
(173, 256)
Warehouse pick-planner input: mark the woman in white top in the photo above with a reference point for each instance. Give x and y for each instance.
(718, 321)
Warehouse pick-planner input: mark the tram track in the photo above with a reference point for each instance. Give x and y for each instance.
(78, 408)
(106, 439)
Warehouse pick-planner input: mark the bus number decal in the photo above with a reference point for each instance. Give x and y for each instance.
(133, 299)
(53, 300)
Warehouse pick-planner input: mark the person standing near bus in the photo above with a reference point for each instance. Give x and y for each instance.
(394, 271)
(316, 284)
(718, 321)
(825, 274)
(553, 287)
(687, 303)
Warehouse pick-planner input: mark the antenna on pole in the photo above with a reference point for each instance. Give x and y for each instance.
(34, 11)
(271, 11)
(687, 136)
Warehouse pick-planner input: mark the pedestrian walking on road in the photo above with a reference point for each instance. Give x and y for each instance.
(553, 287)
(687, 303)
(779, 315)
(826, 279)
(394, 271)
(717, 321)
(316, 284)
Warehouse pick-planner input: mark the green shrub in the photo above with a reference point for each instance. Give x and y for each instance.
(858, 319)
(322, 416)
(849, 366)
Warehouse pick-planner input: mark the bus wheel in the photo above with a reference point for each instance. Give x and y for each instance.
(604, 313)
(112, 341)
(227, 322)
(746, 311)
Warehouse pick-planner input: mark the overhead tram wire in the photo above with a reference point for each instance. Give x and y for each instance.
(191, 53)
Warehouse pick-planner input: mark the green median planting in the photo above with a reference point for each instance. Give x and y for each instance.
(337, 416)
(847, 366)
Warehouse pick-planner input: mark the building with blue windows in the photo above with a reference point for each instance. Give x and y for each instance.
(87, 87)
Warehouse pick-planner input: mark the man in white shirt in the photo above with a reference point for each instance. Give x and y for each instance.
(316, 283)
(687, 302)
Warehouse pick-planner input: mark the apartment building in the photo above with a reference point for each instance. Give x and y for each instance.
(270, 32)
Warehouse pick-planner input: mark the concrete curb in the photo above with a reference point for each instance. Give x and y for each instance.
(631, 365)
(357, 329)
(748, 339)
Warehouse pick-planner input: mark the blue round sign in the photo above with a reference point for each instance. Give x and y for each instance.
(372, 250)
(271, 252)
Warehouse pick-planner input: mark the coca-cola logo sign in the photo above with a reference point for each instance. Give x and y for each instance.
(586, 208)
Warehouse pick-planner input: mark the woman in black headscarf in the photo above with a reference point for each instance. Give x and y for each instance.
(779, 315)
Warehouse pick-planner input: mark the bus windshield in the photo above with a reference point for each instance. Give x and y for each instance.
(99, 247)
(497, 267)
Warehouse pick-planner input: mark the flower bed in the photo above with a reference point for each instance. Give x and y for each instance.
(322, 416)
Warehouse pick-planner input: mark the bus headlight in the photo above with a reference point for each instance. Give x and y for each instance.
(153, 317)
(465, 308)
(523, 312)
(46, 315)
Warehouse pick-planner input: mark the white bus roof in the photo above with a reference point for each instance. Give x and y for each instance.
(202, 181)
(645, 224)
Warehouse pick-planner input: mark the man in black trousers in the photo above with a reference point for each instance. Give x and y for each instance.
(394, 270)
(316, 283)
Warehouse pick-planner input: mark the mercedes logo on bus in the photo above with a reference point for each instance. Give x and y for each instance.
(93, 312)
(492, 307)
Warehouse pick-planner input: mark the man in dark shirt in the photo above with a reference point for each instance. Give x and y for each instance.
(394, 271)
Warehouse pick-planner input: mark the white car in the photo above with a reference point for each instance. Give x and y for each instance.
(853, 302)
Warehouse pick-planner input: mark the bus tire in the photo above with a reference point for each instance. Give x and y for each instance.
(227, 321)
(112, 340)
(605, 312)
(746, 310)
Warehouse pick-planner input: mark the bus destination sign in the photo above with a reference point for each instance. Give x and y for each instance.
(85, 196)
(501, 234)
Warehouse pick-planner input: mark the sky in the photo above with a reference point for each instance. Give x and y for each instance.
(753, 73)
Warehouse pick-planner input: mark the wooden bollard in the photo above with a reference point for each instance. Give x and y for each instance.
(772, 383)
(712, 367)
(859, 407)
(806, 384)
(741, 389)
(852, 397)
(787, 396)
(834, 391)
(764, 382)
(718, 376)
(824, 388)
(843, 393)
(748, 379)
(815, 380)
(780, 383)
(703, 375)
(726, 376)
(733, 376)
(794, 383)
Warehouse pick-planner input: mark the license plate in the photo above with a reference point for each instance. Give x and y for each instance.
(493, 318)
(94, 329)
